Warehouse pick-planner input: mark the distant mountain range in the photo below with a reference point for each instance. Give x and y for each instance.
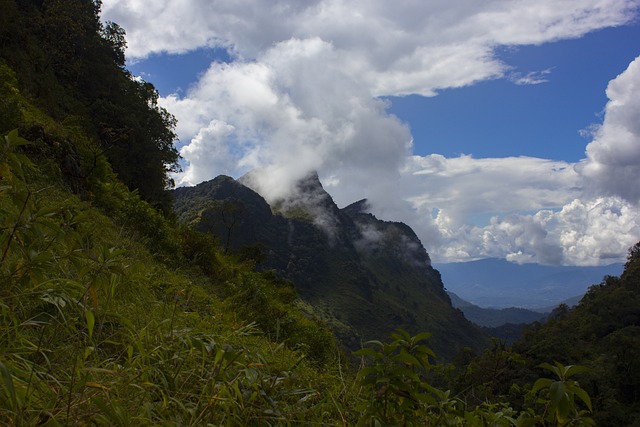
(508, 323)
(365, 277)
(494, 317)
(498, 283)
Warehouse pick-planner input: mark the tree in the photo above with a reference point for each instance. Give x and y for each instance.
(114, 35)
(73, 65)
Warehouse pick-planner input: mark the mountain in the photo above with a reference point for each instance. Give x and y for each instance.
(508, 323)
(494, 317)
(498, 283)
(364, 276)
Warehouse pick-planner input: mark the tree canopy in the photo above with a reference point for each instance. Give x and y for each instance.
(72, 65)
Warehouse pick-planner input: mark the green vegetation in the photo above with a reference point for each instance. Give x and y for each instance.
(71, 67)
(96, 329)
(113, 314)
(602, 333)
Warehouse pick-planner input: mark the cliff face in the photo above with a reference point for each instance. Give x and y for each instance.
(365, 276)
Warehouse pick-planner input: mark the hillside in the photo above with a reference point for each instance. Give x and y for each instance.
(364, 276)
(603, 333)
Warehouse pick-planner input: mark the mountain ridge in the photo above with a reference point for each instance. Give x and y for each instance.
(365, 276)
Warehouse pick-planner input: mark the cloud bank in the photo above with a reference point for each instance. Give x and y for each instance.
(303, 93)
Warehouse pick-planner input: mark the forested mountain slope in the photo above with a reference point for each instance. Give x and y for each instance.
(603, 333)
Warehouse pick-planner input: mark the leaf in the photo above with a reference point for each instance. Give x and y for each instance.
(15, 140)
(94, 296)
(540, 384)
(58, 301)
(401, 334)
(423, 336)
(557, 392)
(407, 358)
(584, 396)
(375, 342)
(369, 370)
(571, 370)
(96, 385)
(91, 321)
(550, 368)
(8, 383)
(367, 351)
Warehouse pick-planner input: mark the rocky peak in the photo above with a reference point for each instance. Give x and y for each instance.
(366, 275)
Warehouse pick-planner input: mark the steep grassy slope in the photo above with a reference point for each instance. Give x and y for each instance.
(110, 314)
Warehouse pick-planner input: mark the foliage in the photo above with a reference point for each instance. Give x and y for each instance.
(602, 334)
(397, 379)
(111, 314)
(398, 392)
(70, 64)
(84, 338)
(560, 395)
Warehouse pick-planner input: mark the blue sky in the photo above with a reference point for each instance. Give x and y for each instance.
(498, 118)
(495, 118)
(497, 129)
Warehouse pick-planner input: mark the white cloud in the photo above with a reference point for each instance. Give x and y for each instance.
(589, 232)
(471, 185)
(207, 151)
(301, 93)
(613, 157)
(291, 112)
(530, 78)
(396, 48)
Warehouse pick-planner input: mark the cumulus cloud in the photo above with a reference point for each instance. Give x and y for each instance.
(593, 232)
(302, 94)
(291, 112)
(613, 157)
(528, 209)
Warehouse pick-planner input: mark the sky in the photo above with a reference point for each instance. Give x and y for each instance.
(500, 128)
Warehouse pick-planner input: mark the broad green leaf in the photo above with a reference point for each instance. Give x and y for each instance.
(584, 396)
(557, 393)
(540, 384)
(407, 358)
(422, 337)
(571, 370)
(15, 140)
(368, 351)
(550, 368)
